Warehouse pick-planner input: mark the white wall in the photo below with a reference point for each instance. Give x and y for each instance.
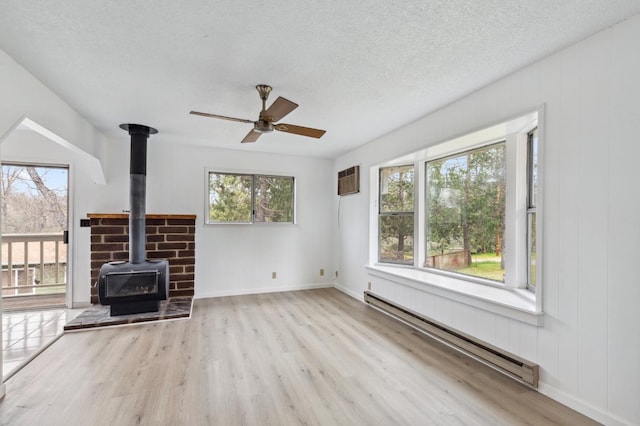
(589, 347)
(23, 96)
(237, 259)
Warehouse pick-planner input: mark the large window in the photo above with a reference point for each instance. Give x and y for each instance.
(396, 215)
(245, 198)
(465, 210)
(472, 211)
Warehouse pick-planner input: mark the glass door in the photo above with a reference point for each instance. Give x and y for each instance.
(34, 235)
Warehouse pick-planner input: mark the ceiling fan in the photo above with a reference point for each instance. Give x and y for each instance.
(268, 117)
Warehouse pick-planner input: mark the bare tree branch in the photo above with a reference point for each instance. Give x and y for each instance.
(50, 197)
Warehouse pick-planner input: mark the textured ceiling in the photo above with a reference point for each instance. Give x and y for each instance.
(358, 69)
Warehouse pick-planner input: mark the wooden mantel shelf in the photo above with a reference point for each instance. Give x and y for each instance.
(148, 216)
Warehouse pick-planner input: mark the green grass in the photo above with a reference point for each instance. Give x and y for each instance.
(488, 257)
(485, 265)
(51, 290)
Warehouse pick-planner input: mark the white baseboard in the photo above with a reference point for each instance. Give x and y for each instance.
(240, 292)
(580, 406)
(358, 296)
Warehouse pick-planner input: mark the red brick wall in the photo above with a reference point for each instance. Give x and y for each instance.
(170, 237)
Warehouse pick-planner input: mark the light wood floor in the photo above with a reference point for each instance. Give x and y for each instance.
(314, 357)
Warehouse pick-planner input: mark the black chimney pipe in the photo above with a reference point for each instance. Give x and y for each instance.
(138, 285)
(138, 190)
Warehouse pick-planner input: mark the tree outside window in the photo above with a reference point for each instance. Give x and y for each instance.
(465, 208)
(396, 215)
(243, 198)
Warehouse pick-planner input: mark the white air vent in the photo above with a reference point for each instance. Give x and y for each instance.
(349, 180)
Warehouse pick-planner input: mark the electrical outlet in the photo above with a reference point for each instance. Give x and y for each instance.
(273, 275)
(336, 274)
(369, 286)
(322, 272)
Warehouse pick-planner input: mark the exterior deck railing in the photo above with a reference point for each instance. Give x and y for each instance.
(33, 264)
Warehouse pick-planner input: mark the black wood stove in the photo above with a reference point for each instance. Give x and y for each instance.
(140, 284)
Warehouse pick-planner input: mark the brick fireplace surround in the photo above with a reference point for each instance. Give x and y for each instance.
(169, 236)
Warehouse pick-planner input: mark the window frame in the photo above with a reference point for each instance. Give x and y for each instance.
(532, 200)
(254, 178)
(514, 130)
(488, 145)
(396, 213)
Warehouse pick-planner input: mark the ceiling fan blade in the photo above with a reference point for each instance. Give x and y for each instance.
(299, 130)
(280, 108)
(224, 117)
(252, 136)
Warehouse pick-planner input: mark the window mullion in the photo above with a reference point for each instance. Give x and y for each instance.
(420, 251)
(253, 198)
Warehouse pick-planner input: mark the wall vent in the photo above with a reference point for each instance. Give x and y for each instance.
(349, 180)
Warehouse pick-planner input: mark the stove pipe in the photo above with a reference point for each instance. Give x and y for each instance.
(138, 190)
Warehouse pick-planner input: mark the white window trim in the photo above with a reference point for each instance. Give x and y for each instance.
(518, 304)
(513, 299)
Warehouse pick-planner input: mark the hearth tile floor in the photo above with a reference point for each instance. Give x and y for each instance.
(26, 333)
(99, 316)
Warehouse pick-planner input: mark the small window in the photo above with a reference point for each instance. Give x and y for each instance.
(465, 212)
(396, 226)
(245, 198)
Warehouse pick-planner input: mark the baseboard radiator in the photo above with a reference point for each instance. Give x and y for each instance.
(503, 361)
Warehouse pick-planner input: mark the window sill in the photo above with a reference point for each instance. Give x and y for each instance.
(518, 304)
(250, 224)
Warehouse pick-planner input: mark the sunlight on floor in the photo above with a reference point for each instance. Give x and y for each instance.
(25, 333)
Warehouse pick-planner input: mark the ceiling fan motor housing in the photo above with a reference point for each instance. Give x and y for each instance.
(263, 126)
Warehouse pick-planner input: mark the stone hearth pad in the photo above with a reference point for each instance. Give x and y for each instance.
(99, 316)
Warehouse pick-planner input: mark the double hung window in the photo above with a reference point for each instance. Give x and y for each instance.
(396, 215)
